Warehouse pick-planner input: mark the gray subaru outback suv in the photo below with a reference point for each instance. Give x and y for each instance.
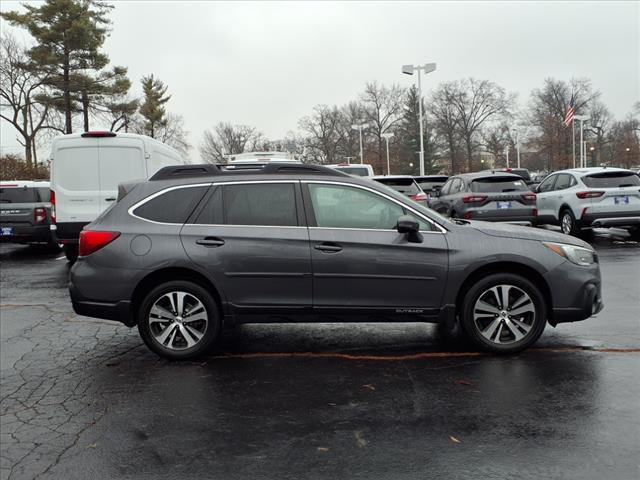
(199, 247)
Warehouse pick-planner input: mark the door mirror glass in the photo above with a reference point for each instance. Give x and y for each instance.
(409, 226)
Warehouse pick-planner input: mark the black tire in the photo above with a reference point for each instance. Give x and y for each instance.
(53, 247)
(634, 234)
(453, 214)
(71, 252)
(210, 332)
(571, 226)
(535, 320)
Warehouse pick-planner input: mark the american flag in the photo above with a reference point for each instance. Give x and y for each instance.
(571, 110)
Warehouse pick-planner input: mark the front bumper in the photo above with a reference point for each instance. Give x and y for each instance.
(576, 292)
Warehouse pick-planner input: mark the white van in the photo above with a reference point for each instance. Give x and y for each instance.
(86, 169)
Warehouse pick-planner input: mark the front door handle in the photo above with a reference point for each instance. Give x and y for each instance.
(328, 247)
(110, 199)
(210, 242)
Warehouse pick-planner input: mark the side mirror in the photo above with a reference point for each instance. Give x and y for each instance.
(409, 226)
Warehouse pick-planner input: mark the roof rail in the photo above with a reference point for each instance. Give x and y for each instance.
(262, 168)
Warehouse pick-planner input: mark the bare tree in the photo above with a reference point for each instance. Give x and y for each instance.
(323, 127)
(383, 108)
(227, 139)
(446, 124)
(547, 111)
(22, 100)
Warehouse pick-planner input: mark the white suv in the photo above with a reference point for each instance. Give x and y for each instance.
(584, 198)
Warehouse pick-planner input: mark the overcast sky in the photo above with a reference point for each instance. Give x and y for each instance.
(267, 64)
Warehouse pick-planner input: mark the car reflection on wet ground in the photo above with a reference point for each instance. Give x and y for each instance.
(84, 398)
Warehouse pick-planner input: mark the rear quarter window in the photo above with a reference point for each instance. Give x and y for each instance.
(173, 206)
(498, 185)
(612, 180)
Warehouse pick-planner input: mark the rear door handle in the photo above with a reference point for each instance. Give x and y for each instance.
(210, 242)
(110, 199)
(328, 247)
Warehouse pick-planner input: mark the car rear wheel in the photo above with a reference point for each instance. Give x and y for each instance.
(568, 223)
(179, 320)
(503, 313)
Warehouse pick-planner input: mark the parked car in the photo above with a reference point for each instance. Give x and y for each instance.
(197, 248)
(536, 179)
(404, 184)
(25, 213)
(357, 169)
(583, 198)
(521, 172)
(86, 170)
(490, 196)
(430, 184)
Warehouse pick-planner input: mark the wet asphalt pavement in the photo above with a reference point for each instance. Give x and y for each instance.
(83, 398)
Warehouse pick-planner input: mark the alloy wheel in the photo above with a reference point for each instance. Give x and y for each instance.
(178, 320)
(567, 224)
(504, 314)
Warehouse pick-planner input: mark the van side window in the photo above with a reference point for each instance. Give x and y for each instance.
(173, 206)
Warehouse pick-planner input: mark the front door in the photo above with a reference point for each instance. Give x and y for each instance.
(361, 263)
(544, 200)
(252, 240)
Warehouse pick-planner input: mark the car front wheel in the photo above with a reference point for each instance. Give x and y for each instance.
(503, 313)
(179, 320)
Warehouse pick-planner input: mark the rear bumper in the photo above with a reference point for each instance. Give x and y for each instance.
(27, 233)
(119, 311)
(613, 219)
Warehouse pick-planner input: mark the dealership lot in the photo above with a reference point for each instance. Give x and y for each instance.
(84, 398)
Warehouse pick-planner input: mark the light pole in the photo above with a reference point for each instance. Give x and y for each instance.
(387, 136)
(349, 159)
(582, 118)
(409, 69)
(506, 152)
(515, 131)
(360, 127)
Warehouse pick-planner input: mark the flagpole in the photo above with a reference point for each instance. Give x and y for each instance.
(573, 138)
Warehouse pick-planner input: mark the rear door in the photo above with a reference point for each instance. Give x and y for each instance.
(75, 178)
(252, 239)
(545, 205)
(120, 160)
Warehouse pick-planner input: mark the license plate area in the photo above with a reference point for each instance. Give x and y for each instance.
(6, 231)
(621, 200)
(503, 205)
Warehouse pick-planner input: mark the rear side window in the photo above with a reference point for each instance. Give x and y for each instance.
(497, 184)
(173, 206)
(18, 195)
(612, 180)
(406, 186)
(272, 204)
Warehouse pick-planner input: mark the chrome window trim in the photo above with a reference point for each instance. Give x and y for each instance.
(362, 187)
(157, 194)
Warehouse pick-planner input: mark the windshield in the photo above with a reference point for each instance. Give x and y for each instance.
(612, 180)
(498, 184)
(357, 171)
(18, 195)
(407, 186)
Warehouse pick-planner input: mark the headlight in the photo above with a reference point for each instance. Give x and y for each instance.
(577, 255)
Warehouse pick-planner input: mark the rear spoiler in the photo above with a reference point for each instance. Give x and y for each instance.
(125, 188)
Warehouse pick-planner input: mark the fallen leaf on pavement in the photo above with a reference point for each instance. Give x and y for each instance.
(323, 449)
(463, 382)
(454, 439)
(92, 445)
(369, 386)
(360, 440)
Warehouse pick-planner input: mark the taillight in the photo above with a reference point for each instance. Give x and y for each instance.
(98, 134)
(467, 215)
(584, 210)
(590, 194)
(474, 198)
(52, 199)
(418, 197)
(534, 212)
(39, 214)
(529, 196)
(93, 240)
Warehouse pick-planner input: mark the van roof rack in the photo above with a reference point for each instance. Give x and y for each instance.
(262, 168)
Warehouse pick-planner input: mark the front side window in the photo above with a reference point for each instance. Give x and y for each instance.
(456, 186)
(173, 206)
(338, 206)
(272, 204)
(547, 184)
(564, 181)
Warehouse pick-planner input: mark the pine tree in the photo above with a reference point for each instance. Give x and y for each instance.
(152, 108)
(409, 135)
(69, 34)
